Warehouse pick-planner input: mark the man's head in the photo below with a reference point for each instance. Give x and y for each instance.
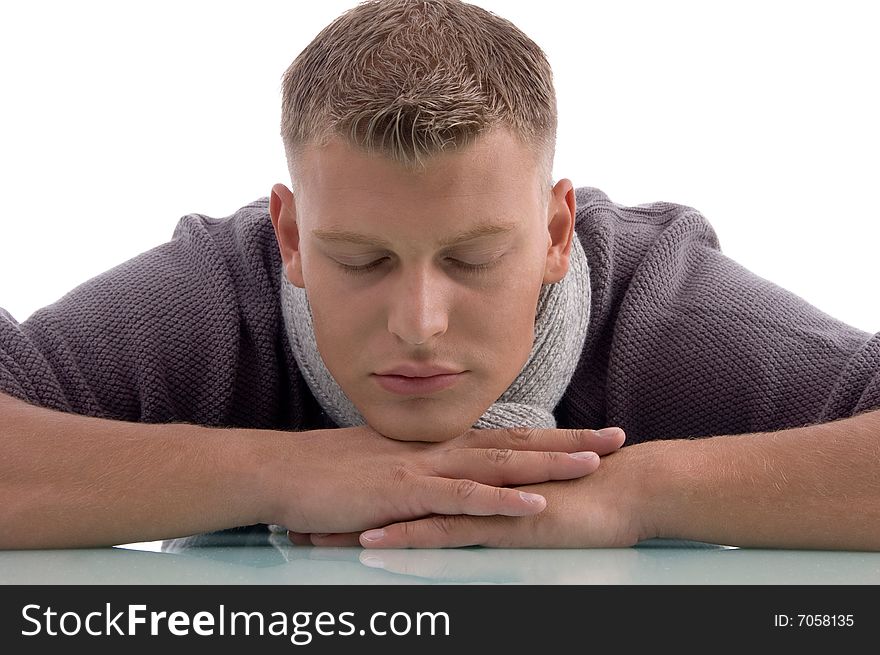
(415, 124)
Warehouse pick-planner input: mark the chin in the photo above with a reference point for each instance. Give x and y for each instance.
(418, 426)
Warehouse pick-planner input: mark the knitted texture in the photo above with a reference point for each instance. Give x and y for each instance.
(682, 341)
(561, 318)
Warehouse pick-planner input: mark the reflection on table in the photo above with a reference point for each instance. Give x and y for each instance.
(263, 558)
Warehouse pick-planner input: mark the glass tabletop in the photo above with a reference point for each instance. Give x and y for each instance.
(254, 558)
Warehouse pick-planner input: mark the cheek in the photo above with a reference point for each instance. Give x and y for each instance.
(503, 321)
(338, 316)
(516, 329)
(340, 322)
(517, 314)
(517, 297)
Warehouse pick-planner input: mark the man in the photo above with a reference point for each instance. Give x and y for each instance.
(411, 345)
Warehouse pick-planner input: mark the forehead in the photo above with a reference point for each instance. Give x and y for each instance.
(494, 181)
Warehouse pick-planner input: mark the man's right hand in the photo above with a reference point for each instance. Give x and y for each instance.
(351, 479)
(68, 480)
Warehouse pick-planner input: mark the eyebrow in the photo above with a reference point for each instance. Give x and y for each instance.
(347, 236)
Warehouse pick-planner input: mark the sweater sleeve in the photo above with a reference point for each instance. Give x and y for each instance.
(702, 346)
(185, 332)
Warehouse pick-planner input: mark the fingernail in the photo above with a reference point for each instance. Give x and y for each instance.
(608, 432)
(587, 454)
(373, 535)
(373, 562)
(535, 499)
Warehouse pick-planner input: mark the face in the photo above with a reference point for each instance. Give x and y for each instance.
(410, 274)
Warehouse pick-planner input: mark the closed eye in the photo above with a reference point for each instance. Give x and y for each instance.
(460, 265)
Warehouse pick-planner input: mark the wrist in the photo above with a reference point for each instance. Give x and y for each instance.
(684, 482)
(274, 472)
(657, 487)
(247, 460)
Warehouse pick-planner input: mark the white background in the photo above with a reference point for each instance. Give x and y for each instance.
(118, 118)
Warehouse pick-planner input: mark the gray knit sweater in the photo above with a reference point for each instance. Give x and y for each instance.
(682, 341)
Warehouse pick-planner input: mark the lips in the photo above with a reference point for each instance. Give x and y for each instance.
(411, 370)
(407, 386)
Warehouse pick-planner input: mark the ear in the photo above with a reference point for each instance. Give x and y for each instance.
(282, 209)
(561, 210)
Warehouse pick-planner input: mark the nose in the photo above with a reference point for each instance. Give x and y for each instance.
(418, 306)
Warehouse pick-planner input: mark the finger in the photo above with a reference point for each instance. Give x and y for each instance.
(505, 466)
(567, 440)
(338, 540)
(440, 532)
(454, 496)
(298, 538)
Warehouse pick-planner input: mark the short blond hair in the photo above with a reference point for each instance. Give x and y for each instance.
(409, 79)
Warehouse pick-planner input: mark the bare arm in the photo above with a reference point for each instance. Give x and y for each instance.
(810, 487)
(814, 487)
(68, 480)
(73, 481)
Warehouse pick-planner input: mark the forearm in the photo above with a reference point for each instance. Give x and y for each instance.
(70, 481)
(811, 487)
